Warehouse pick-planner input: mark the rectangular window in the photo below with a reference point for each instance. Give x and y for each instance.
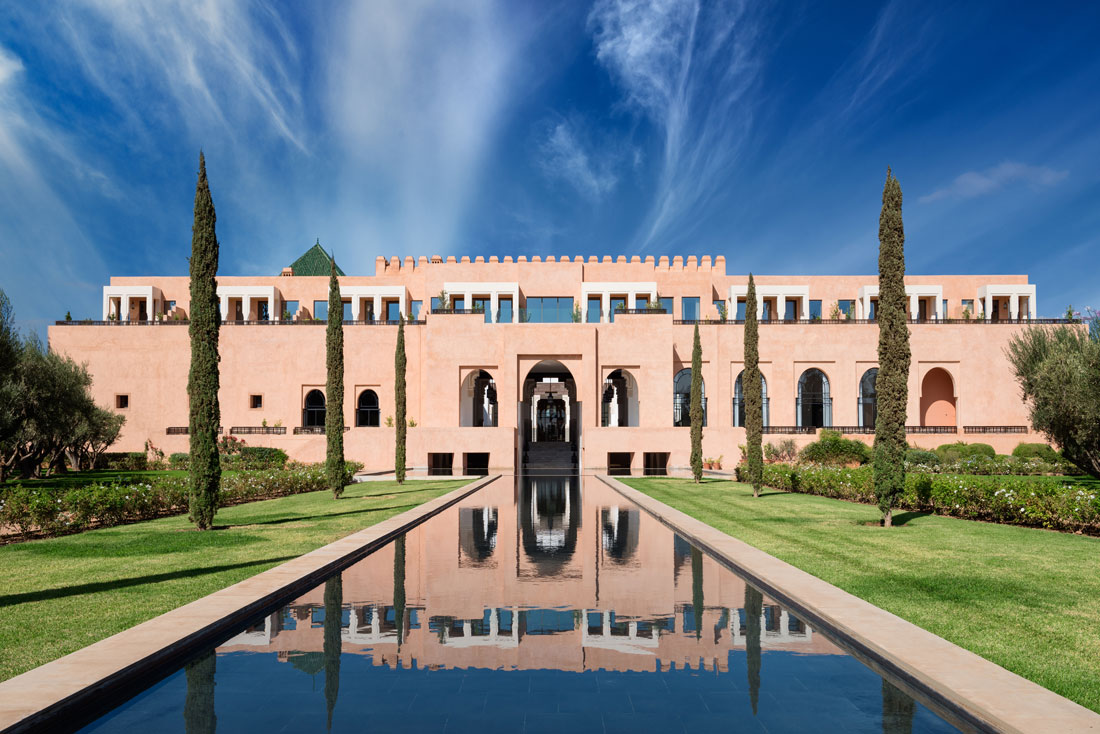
(347, 310)
(122, 402)
(719, 307)
(435, 303)
(458, 302)
(504, 306)
(968, 305)
(871, 314)
(689, 309)
(616, 304)
(740, 309)
(320, 310)
(666, 304)
(549, 310)
(847, 308)
(485, 306)
(414, 310)
(255, 402)
(815, 310)
(767, 311)
(393, 311)
(290, 309)
(944, 308)
(594, 307)
(790, 310)
(261, 311)
(168, 306)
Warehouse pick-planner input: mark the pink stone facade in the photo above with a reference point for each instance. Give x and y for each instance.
(961, 384)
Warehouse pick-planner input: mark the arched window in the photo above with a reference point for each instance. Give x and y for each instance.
(314, 412)
(619, 406)
(681, 398)
(366, 409)
(478, 400)
(814, 406)
(739, 400)
(867, 409)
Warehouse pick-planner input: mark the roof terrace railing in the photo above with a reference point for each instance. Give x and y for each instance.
(994, 429)
(183, 430)
(931, 429)
(239, 322)
(313, 430)
(791, 430)
(641, 311)
(257, 430)
(804, 322)
(854, 429)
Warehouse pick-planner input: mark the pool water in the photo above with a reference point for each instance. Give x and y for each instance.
(548, 604)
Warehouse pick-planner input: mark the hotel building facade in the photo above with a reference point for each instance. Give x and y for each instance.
(582, 361)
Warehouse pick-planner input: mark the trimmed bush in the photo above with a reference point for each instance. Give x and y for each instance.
(1040, 451)
(179, 460)
(34, 511)
(1047, 502)
(955, 451)
(834, 450)
(921, 457)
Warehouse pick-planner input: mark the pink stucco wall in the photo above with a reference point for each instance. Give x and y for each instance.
(282, 362)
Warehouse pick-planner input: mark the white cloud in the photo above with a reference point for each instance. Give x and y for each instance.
(978, 183)
(688, 69)
(565, 157)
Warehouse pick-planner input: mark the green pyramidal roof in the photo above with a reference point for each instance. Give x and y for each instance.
(315, 261)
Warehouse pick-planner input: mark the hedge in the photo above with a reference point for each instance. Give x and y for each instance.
(247, 457)
(832, 448)
(45, 512)
(1047, 502)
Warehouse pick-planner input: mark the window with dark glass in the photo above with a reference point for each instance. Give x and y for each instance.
(320, 310)
(847, 307)
(122, 402)
(873, 309)
(666, 304)
(255, 401)
(458, 303)
(944, 308)
(594, 307)
(740, 309)
(739, 400)
(393, 311)
(313, 414)
(689, 308)
(815, 309)
(867, 409)
(549, 310)
(790, 311)
(814, 407)
(347, 310)
(290, 309)
(681, 398)
(504, 315)
(484, 305)
(366, 409)
(616, 304)
(262, 313)
(414, 310)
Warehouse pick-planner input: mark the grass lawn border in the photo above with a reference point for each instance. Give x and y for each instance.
(85, 684)
(969, 691)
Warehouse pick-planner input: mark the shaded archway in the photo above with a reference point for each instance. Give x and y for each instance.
(313, 414)
(739, 400)
(478, 400)
(867, 406)
(937, 398)
(366, 410)
(814, 405)
(681, 398)
(619, 406)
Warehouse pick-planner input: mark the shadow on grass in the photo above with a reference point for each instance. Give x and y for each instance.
(94, 588)
(285, 520)
(903, 518)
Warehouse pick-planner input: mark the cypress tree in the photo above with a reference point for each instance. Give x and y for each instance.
(198, 706)
(891, 385)
(697, 590)
(334, 609)
(202, 381)
(399, 600)
(334, 387)
(753, 394)
(399, 398)
(696, 409)
(754, 607)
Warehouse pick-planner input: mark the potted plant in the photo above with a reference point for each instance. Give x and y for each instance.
(723, 312)
(718, 462)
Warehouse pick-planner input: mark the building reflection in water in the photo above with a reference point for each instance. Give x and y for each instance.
(477, 534)
(550, 520)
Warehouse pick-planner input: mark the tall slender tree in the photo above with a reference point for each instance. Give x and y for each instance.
(891, 385)
(697, 590)
(202, 381)
(399, 362)
(696, 408)
(754, 607)
(399, 600)
(334, 611)
(198, 706)
(753, 393)
(334, 386)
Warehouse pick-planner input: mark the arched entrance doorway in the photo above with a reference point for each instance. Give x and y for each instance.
(937, 398)
(619, 406)
(551, 418)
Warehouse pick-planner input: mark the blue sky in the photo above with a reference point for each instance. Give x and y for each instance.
(401, 127)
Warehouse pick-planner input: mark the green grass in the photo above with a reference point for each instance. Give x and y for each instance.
(61, 594)
(1026, 599)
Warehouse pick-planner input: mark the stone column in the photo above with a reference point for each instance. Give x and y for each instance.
(534, 417)
(224, 304)
(1014, 306)
(246, 307)
(125, 315)
(567, 433)
(605, 307)
(988, 315)
(356, 307)
(914, 309)
(494, 301)
(271, 315)
(377, 303)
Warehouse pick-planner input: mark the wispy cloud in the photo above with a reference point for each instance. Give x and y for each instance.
(978, 183)
(565, 157)
(688, 69)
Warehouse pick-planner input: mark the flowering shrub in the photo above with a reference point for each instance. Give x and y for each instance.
(48, 512)
(1048, 502)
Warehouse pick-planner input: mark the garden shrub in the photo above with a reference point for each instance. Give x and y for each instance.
(955, 451)
(122, 461)
(1048, 502)
(179, 460)
(833, 449)
(922, 457)
(1039, 451)
(33, 511)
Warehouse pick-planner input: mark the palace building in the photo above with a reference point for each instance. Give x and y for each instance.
(578, 362)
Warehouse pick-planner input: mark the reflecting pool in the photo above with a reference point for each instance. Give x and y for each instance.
(547, 604)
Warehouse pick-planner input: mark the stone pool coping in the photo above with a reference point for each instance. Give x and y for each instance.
(70, 684)
(970, 691)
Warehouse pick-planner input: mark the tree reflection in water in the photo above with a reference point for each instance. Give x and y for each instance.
(897, 710)
(198, 708)
(334, 607)
(754, 608)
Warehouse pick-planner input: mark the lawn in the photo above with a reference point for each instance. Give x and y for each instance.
(1026, 599)
(61, 594)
